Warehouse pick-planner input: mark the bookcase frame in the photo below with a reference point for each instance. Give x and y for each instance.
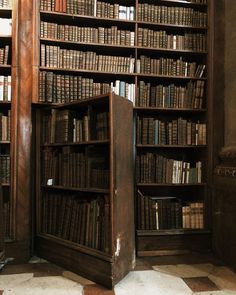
(106, 268)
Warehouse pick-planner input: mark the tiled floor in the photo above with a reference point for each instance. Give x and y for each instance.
(177, 275)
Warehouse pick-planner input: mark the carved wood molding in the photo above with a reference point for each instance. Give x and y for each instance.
(225, 171)
(227, 166)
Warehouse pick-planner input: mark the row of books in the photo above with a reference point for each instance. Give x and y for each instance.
(5, 3)
(155, 168)
(161, 39)
(5, 126)
(65, 126)
(58, 88)
(81, 221)
(158, 213)
(171, 96)
(4, 55)
(5, 88)
(181, 16)
(176, 132)
(100, 35)
(74, 169)
(56, 57)
(5, 27)
(5, 169)
(89, 8)
(169, 67)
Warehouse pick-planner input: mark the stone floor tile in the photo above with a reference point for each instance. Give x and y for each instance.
(151, 283)
(220, 292)
(76, 278)
(186, 271)
(224, 278)
(201, 284)
(39, 269)
(45, 285)
(10, 281)
(97, 290)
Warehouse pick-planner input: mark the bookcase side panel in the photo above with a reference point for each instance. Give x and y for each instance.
(123, 206)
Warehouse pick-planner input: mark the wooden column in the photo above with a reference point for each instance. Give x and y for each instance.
(224, 201)
(21, 128)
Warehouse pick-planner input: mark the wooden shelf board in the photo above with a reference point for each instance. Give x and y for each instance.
(137, 108)
(185, 2)
(5, 66)
(87, 44)
(85, 17)
(169, 77)
(91, 142)
(169, 146)
(171, 25)
(172, 232)
(5, 184)
(86, 71)
(67, 188)
(81, 248)
(170, 184)
(5, 142)
(170, 50)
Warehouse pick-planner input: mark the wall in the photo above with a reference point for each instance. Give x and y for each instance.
(224, 181)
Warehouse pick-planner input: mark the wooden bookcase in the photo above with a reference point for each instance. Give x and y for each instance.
(84, 187)
(5, 115)
(159, 58)
(172, 127)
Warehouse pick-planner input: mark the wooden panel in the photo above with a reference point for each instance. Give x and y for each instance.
(191, 242)
(224, 219)
(88, 266)
(123, 194)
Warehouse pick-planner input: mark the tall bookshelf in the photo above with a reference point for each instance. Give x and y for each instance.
(5, 113)
(84, 187)
(172, 142)
(156, 54)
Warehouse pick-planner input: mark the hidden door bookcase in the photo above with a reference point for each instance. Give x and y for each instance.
(85, 214)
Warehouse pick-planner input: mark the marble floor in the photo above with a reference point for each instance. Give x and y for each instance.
(177, 275)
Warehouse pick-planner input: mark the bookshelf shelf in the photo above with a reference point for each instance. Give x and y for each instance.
(5, 185)
(5, 142)
(170, 77)
(175, 110)
(170, 51)
(86, 19)
(91, 46)
(77, 247)
(163, 232)
(171, 26)
(5, 12)
(171, 184)
(67, 188)
(92, 142)
(4, 37)
(98, 73)
(170, 146)
(5, 67)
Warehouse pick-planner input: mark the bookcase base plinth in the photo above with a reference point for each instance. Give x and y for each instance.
(174, 244)
(102, 271)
